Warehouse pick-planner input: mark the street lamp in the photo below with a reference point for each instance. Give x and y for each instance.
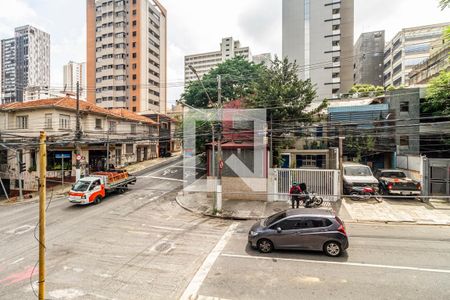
(201, 82)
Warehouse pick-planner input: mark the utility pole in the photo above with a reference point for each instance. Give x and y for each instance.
(42, 200)
(219, 145)
(19, 163)
(271, 139)
(107, 144)
(341, 154)
(78, 136)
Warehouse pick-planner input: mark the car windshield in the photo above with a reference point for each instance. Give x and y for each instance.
(275, 218)
(393, 174)
(81, 186)
(357, 171)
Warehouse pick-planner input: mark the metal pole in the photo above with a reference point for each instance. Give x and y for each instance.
(42, 200)
(219, 145)
(20, 175)
(341, 154)
(78, 136)
(62, 169)
(107, 145)
(271, 140)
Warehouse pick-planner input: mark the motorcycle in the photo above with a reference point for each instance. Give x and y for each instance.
(365, 192)
(311, 200)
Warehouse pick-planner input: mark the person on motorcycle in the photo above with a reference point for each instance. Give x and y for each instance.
(295, 192)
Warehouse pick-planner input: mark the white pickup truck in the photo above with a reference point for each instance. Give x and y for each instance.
(97, 186)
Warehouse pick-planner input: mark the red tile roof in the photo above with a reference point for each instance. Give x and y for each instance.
(70, 103)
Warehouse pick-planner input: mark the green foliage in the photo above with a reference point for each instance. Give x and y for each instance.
(443, 4)
(238, 77)
(438, 95)
(365, 90)
(286, 97)
(391, 88)
(359, 146)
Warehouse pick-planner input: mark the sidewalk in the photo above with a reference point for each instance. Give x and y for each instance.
(396, 210)
(388, 211)
(59, 190)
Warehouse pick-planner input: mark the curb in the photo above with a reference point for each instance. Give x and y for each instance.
(235, 218)
(357, 221)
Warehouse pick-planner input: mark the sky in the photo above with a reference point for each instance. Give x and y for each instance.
(198, 26)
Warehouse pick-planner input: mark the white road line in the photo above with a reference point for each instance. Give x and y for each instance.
(162, 178)
(166, 228)
(194, 286)
(339, 263)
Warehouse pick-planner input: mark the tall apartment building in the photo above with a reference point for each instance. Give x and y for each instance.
(368, 59)
(408, 48)
(318, 35)
(265, 59)
(127, 54)
(25, 63)
(75, 72)
(204, 62)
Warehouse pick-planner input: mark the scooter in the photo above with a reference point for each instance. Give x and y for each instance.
(365, 192)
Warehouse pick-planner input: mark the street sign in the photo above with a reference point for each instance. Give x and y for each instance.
(221, 164)
(62, 155)
(78, 157)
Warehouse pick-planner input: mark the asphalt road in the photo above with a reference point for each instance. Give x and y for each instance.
(142, 245)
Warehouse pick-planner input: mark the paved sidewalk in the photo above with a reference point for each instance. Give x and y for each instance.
(388, 211)
(236, 209)
(410, 211)
(136, 168)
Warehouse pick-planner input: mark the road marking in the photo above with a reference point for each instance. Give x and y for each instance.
(162, 178)
(21, 230)
(16, 261)
(194, 286)
(339, 263)
(166, 228)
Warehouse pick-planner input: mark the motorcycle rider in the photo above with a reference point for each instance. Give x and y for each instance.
(295, 192)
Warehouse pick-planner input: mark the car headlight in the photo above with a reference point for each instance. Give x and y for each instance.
(253, 233)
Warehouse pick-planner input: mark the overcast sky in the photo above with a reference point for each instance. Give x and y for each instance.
(198, 26)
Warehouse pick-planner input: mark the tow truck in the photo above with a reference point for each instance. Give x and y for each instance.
(94, 188)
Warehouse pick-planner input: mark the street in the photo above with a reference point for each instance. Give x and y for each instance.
(142, 245)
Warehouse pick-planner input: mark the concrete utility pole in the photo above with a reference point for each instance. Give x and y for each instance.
(42, 200)
(341, 154)
(219, 145)
(107, 144)
(78, 135)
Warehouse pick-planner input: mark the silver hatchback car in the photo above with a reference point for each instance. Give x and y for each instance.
(303, 229)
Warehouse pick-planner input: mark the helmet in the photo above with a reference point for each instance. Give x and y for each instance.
(295, 183)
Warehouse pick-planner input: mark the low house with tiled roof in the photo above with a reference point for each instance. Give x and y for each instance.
(127, 138)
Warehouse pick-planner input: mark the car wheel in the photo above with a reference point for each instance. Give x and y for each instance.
(265, 246)
(97, 200)
(332, 249)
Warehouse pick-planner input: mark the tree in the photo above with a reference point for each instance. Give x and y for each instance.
(444, 4)
(437, 101)
(238, 77)
(286, 97)
(359, 146)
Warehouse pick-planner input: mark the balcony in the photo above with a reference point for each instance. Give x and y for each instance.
(336, 48)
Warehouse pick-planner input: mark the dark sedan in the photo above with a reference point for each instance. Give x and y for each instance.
(302, 229)
(395, 182)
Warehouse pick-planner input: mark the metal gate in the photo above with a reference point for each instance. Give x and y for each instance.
(437, 177)
(322, 182)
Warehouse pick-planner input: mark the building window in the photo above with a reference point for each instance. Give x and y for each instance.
(133, 128)
(98, 123)
(134, 12)
(112, 126)
(129, 148)
(134, 98)
(22, 122)
(134, 109)
(33, 160)
(134, 44)
(134, 55)
(48, 121)
(134, 23)
(404, 106)
(404, 141)
(64, 122)
(134, 77)
(134, 33)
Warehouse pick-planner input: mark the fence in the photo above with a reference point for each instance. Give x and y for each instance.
(322, 182)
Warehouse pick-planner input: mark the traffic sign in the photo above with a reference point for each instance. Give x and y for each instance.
(78, 156)
(221, 164)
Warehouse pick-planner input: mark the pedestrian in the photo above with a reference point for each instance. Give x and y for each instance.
(295, 192)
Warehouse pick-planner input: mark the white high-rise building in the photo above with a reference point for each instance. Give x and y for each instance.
(25, 64)
(73, 73)
(407, 49)
(204, 62)
(318, 35)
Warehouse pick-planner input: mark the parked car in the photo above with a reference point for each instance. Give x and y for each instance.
(303, 229)
(395, 182)
(357, 176)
